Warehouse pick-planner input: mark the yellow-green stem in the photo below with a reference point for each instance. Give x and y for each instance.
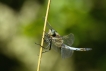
(40, 53)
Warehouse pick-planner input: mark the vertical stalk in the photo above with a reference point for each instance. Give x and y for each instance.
(40, 53)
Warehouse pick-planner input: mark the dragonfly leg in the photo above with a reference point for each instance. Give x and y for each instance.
(44, 47)
(50, 44)
(45, 51)
(47, 47)
(41, 46)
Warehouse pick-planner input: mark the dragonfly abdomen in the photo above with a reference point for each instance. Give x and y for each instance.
(78, 49)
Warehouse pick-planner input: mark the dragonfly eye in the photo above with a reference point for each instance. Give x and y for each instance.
(54, 34)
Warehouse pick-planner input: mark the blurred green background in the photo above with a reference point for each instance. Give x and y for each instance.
(21, 25)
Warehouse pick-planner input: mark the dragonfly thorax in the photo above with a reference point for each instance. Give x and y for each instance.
(56, 39)
(58, 42)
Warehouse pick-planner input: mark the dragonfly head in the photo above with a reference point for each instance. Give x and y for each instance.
(52, 32)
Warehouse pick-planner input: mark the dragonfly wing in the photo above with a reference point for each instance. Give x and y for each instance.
(46, 38)
(66, 52)
(56, 48)
(68, 39)
(48, 25)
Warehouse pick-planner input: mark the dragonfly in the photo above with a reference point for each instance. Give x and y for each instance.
(62, 44)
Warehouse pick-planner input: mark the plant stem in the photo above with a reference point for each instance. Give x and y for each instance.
(40, 53)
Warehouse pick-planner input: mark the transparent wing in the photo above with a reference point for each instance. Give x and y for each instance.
(56, 48)
(66, 52)
(68, 39)
(49, 26)
(46, 38)
(47, 41)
